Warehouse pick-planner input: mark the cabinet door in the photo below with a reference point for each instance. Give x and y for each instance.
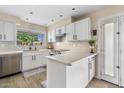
(9, 32)
(37, 60)
(44, 59)
(60, 31)
(91, 69)
(27, 62)
(70, 32)
(1, 30)
(77, 74)
(40, 60)
(82, 29)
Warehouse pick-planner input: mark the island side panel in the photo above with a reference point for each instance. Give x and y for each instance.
(56, 74)
(77, 74)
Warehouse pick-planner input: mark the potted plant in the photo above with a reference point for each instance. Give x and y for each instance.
(92, 45)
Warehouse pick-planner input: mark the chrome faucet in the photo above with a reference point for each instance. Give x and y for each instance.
(30, 48)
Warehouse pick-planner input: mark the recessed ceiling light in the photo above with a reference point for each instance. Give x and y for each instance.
(30, 12)
(73, 8)
(27, 18)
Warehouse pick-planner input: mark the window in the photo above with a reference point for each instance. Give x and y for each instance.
(26, 38)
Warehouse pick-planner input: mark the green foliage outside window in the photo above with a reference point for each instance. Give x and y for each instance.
(24, 37)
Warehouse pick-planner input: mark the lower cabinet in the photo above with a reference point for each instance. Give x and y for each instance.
(40, 60)
(33, 61)
(27, 62)
(76, 75)
(91, 67)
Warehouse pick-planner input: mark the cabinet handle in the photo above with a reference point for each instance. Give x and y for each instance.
(4, 37)
(75, 37)
(32, 58)
(90, 65)
(0, 36)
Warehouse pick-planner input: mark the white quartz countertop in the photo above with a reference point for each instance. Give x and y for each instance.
(10, 52)
(15, 51)
(70, 57)
(41, 51)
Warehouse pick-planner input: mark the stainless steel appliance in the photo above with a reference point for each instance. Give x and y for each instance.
(10, 64)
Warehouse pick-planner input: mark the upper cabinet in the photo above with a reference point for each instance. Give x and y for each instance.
(70, 32)
(79, 31)
(51, 36)
(7, 31)
(60, 31)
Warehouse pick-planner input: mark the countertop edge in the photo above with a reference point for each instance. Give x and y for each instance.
(69, 64)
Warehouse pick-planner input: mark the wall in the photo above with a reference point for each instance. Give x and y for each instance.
(24, 25)
(73, 46)
(95, 16)
(108, 11)
(61, 23)
(65, 44)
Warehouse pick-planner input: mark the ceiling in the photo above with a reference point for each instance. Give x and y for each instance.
(47, 14)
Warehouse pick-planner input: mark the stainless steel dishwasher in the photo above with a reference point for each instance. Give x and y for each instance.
(10, 64)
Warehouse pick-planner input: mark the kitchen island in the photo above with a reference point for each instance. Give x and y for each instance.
(72, 69)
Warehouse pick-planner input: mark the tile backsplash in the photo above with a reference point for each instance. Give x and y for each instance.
(83, 46)
(7, 45)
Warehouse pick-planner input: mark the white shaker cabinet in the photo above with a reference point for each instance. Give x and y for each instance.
(79, 31)
(91, 61)
(65, 76)
(82, 29)
(10, 31)
(27, 62)
(7, 31)
(1, 30)
(74, 75)
(60, 31)
(39, 60)
(33, 61)
(77, 74)
(70, 32)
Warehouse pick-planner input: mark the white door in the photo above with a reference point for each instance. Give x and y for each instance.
(70, 30)
(121, 51)
(110, 64)
(1, 30)
(9, 32)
